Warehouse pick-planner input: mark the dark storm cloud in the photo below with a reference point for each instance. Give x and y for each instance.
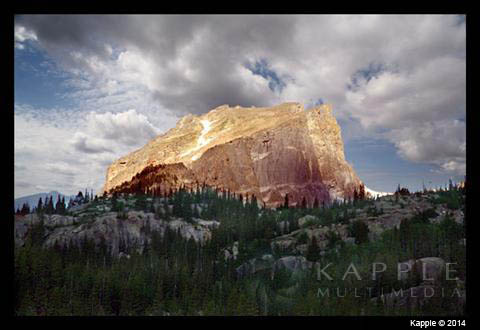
(220, 44)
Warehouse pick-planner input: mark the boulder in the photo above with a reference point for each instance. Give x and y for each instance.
(283, 244)
(308, 218)
(283, 226)
(231, 253)
(268, 263)
(293, 263)
(255, 265)
(349, 240)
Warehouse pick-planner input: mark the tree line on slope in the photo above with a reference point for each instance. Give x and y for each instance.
(181, 277)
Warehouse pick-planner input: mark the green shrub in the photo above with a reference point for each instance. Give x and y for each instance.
(359, 230)
(311, 222)
(117, 206)
(453, 199)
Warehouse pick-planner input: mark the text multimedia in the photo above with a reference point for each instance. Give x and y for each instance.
(370, 292)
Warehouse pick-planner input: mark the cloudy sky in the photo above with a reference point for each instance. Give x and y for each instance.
(90, 89)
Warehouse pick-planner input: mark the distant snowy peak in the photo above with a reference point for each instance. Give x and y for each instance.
(374, 193)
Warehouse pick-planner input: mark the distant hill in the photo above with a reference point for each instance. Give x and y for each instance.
(32, 200)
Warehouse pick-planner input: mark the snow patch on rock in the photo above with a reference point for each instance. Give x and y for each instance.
(207, 126)
(374, 193)
(202, 141)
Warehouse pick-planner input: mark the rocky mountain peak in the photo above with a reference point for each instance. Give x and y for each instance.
(263, 151)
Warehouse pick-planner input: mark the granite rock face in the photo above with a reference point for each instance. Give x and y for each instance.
(268, 263)
(118, 235)
(266, 152)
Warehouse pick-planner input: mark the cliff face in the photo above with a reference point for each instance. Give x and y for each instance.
(266, 152)
(119, 235)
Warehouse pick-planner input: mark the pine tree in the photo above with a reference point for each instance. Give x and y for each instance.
(63, 206)
(114, 202)
(58, 205)
(361, 194)
(87, 197)
(79, 199)
(196, 214)
(25, 209)
(187, 208)
(166, 209)
(285, 204)
(40, 205)
(49, 205)
(313, 252)
(304, 203)
(177, 205)
(360, 231)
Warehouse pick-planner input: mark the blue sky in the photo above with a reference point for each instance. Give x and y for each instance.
(378, 162)
(90, 89)
(35, 81)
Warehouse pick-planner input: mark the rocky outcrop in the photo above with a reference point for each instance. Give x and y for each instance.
(118, 234)
(266, 152)
(390, 215)
(255, 265)
(268, 263)
(231, 253)
(293, 263)
(306, 220)
(298, 240)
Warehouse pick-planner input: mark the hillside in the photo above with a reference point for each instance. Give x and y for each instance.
(267, 260)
